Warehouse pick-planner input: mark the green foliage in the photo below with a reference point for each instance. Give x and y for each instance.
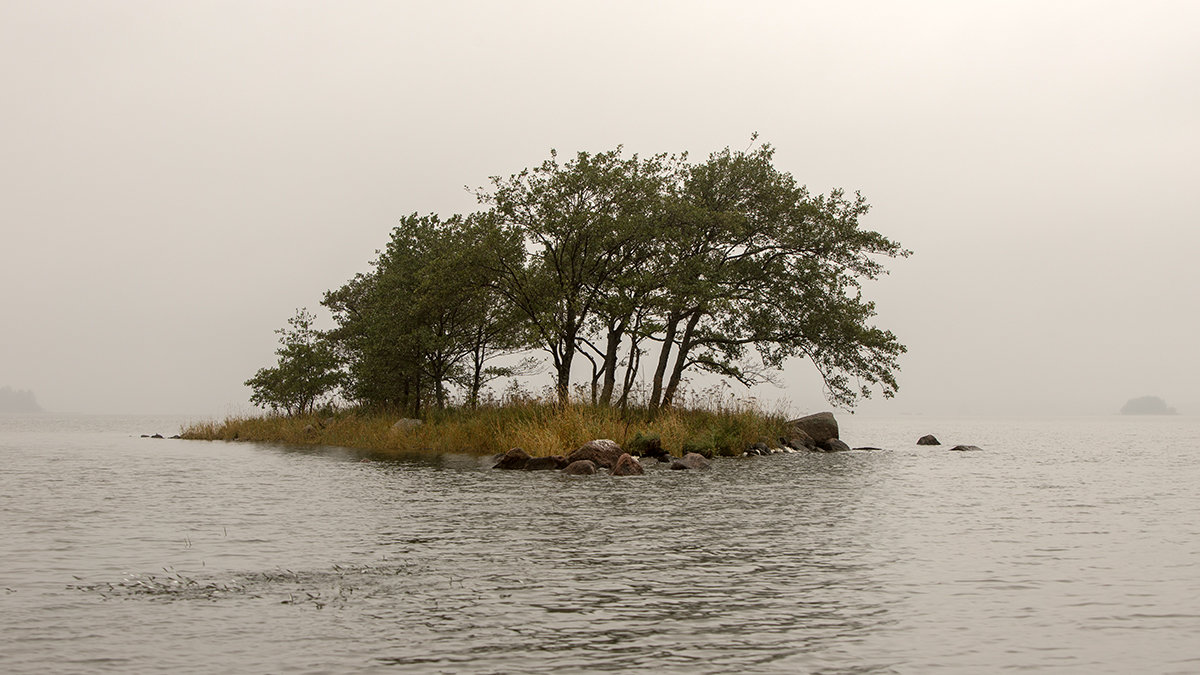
(307, 370)
(642, 267)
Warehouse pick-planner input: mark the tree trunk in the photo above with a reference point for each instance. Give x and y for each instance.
(663, 358)
(685, 346)
(631, 370)
(611, 356)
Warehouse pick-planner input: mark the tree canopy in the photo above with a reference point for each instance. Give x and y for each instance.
(637, 265)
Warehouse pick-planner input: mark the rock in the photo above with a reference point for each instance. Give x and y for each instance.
(145, 435)
(627, 466)
(551, 463)
(928, 439)
(760, 448)
(835, 445)
(868, 447)
(405, 424)
(965, 448)
(797, 439)
(690, 461)
(513, 460)
(156, 436)
(176, 437)
(582, 467)
(648, 445)
(820, 427)
(601, 452)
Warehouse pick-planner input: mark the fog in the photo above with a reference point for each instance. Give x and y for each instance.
(178, 178)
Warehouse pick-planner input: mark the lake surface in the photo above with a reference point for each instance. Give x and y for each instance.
(1066, 545)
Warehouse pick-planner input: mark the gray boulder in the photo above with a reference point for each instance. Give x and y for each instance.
(601, 452)
(690, 461)
(797, 439)
(627, 466)
(966, 448)
(820, 427)
(928, 439)
(834, 445)
(583, 467)
(513, 460)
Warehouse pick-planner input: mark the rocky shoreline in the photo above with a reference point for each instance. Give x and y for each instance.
(817, 433)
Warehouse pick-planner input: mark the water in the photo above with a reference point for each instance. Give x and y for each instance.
(1067, 545)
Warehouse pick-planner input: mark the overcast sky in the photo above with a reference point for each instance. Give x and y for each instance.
(176, 178)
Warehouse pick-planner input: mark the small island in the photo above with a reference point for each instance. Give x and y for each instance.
(18, 401)
(1147, 405)
(634, 273)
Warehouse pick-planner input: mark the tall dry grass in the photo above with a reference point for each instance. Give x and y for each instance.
(538, 427)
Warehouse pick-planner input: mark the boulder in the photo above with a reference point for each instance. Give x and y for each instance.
(513, 460)
(156, 436)
(551, 463)
(405, 424)
(797, 439)
(627, 466)
(757, 449)
(928, 439)
(965, 448)
(690, 461)
(868, 447)
(602, 452)
(820, 427)
(835, 445)
(646, 445)
(583, 467)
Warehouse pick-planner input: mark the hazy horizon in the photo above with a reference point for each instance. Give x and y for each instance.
(179, 178)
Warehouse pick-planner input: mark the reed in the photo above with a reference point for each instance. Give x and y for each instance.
(539, 427)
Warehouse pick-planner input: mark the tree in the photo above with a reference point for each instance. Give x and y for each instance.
(426, 318)
(584, 223)
(308, 369)
(761, 263)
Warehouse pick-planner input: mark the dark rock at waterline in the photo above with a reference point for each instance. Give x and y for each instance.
(820, 427)
(583, 467)
(513, 460)
(176, 437)
(797, 439)
(690, 461)
(601, 452)
(868, 447)
(646, 445)
(156, 436)
(928, 439)
(627, 466)
(834, 445)
(966, 448)
(551, 463)
(757, 449)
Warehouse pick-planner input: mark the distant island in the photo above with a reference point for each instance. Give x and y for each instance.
(18, 401)
(1147, 405)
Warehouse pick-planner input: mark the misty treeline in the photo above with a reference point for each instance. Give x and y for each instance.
(629, 269)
